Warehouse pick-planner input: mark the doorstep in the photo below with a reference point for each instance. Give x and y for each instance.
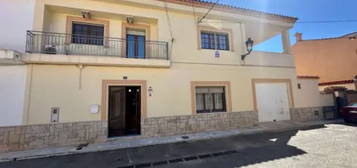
(127, 142)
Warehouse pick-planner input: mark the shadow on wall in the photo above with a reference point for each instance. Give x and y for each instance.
(234, 151)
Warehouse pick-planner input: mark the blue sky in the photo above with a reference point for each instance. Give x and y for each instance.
(306, 10)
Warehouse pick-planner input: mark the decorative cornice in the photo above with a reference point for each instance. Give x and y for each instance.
(309, 77)
(336, 82)
(349, 35)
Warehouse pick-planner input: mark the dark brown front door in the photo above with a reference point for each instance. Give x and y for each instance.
(132, 117)
(116, 111)
(124, 110)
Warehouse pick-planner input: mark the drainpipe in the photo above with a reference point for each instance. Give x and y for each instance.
(27, 101)
(81, 67)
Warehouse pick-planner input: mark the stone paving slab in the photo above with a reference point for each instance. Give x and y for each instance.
(132, 142)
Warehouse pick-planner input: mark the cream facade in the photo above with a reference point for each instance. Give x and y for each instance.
(171, 88)
(77, 81)
(170, 83)
(187, 61)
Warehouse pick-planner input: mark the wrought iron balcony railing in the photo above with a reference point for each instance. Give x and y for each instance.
(70, 44)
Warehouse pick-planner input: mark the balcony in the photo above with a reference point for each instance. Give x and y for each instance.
(46, 47)
(259, 58)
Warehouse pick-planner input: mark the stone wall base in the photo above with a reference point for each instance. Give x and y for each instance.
(50, 135)
(65, 134)
(309, 113)
(173, 125)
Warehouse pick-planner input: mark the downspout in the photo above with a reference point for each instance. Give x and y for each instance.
(28, 92)
(81, 67)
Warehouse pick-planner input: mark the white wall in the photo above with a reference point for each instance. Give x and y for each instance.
(16, 16)
(327, 100)
(309, 95)
(349, 86)
(12, 94)
(270, 59)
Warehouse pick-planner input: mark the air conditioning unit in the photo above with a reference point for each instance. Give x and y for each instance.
(50, 49)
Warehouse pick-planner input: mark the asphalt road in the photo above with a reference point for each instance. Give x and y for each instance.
(333, 145)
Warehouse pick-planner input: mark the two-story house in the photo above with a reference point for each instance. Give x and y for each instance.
(106, 68)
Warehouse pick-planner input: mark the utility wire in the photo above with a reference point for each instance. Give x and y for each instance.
(194, 11)
(298, 22)
(168, 20)
(204, 16)
(170, 27)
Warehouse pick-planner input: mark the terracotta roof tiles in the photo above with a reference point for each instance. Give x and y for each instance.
(233, 9)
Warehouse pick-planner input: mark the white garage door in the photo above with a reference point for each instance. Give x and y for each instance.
(272, 101)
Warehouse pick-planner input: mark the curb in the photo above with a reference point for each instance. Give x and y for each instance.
(165, 140)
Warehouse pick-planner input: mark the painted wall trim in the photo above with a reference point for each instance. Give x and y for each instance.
(74, 19)
(105, 94)
(145, 27)
(308, 77)
(213, 29)
(337, 82)
(262, 80)
(226, 84)
(136, 26)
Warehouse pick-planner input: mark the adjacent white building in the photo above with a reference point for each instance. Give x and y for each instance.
(15, 17)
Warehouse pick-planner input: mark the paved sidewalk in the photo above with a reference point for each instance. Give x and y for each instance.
(130, 142)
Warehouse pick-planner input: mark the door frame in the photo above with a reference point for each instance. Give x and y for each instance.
(105, 95)
(286, 81)
(126, 26)
(136, 47)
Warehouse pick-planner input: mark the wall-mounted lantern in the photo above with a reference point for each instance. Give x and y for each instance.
(249, 44)
(150, 90)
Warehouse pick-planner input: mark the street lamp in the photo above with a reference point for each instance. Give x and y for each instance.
(249, 44)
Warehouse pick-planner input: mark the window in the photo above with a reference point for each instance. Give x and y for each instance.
(210, 99)
(87, 34)
(214, 40)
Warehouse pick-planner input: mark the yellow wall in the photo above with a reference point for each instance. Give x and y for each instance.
(56, 22)
(183, 26)
(58, 86)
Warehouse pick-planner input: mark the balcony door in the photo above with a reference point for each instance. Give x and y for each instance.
(135, 43)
